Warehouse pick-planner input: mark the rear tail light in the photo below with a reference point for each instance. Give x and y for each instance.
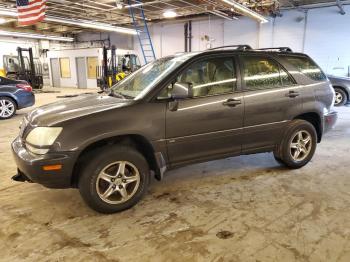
(25, 87)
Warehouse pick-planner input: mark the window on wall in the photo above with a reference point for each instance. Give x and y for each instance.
(263, 73)
(210, 77)
(92, 63)
(65, 68)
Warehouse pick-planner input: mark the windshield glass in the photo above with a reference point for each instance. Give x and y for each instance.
(139, 83)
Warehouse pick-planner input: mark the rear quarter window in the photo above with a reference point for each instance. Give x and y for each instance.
(306, 66)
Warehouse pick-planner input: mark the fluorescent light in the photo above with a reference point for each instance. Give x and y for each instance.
(36, 36)
(92, 25)
(8, 12)
(169, 14)
(246, 11)
(76, 22)
(2, 20)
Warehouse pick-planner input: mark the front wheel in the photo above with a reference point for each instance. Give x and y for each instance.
(340, 97)
(7, 108)
(298, 145)
(115, 179)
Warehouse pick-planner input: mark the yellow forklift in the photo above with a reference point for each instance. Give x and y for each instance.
(22, 67)
(115, 68)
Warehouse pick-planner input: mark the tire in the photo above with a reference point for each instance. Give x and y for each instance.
(294, 151)
(8, 107)
(340, 97)
(278, 159)
(94, 185)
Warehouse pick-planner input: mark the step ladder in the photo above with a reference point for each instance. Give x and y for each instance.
(140, 24)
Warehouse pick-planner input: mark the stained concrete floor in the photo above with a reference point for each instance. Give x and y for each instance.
(246, 208)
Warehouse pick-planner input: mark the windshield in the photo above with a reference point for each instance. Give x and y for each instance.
(139, 83)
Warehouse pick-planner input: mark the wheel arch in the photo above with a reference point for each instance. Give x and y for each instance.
(138, 142)
(314, 119)
(10, 96)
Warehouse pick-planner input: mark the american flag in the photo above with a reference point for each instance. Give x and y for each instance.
(30, 11)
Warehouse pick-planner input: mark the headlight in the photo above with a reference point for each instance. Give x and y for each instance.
(42, 137)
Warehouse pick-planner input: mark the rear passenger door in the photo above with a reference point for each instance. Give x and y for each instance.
(271, 98)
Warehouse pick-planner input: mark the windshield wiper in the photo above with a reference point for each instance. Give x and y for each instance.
(116, 94)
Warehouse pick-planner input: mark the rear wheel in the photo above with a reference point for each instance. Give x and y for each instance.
(298, 145)
(7, 107)
(340, 97)
(115, 179)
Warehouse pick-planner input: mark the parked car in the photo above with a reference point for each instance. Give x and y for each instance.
(14, 95)
(341, 87)
(173, 112)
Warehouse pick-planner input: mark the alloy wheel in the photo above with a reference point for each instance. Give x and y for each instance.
(301, 145)
(7, 108)
(118, 182)
(338, 98)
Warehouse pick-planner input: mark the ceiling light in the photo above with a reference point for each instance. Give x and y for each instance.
(169, 14)
(92, 25)
(2, 20)
(244, 10)
(76, 22)
(36, 36)
(8, 12)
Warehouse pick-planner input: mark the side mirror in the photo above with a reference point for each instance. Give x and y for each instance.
(182, 90)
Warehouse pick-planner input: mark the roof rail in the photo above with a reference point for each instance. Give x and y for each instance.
(238, 47)
(279, 49)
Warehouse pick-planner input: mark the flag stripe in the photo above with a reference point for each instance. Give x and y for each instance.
(41, 18)
(31, 13)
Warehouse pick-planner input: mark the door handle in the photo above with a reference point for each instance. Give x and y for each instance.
(232, 102)
(292, 94)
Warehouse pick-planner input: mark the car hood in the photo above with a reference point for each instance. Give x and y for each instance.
(75, 107)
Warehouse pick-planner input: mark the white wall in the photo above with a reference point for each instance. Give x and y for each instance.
(72, 55)
(322, 33)
(8, 46)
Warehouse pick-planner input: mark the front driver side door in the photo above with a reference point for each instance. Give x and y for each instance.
(208, 125)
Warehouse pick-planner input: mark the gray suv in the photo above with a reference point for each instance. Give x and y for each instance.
(173, 112)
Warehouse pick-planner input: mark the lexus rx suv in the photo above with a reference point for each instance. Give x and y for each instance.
(172, 112)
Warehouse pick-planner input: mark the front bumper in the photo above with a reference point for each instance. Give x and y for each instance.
(329, 121)
(30, 166)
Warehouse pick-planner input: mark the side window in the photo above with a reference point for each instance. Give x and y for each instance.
(264, 73)
(307, 67)
(210, 77)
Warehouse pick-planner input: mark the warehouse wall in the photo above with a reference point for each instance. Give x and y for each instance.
(322, 33)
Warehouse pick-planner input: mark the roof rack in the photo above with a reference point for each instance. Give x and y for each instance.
(238, 47)
(279, 49)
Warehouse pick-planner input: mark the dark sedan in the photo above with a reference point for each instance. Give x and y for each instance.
(14, 95)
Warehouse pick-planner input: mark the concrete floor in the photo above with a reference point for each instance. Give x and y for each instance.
(246, 208)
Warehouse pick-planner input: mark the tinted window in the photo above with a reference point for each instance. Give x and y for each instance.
(210, 77)
(262, 73)
(307, 67)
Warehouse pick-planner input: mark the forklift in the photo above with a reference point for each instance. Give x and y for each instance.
(115, 68)
(26, 68)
